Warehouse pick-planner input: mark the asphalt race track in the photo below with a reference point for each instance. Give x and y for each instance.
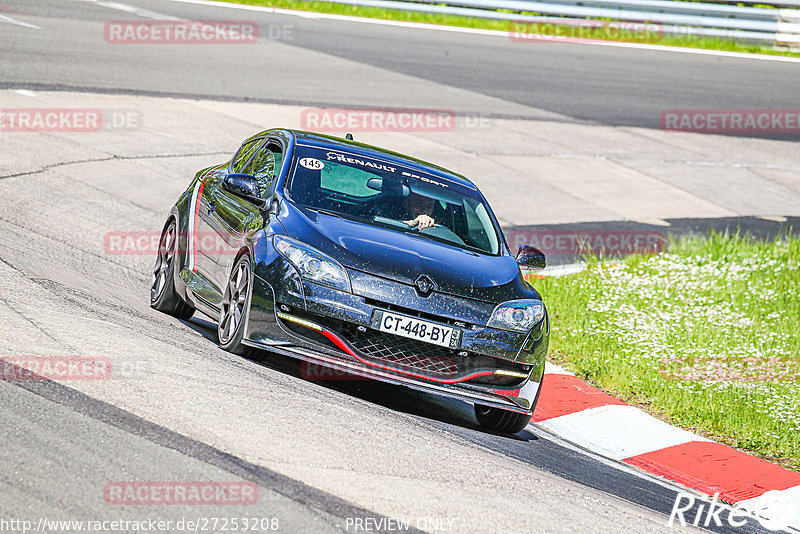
(337, 455)
(348, 63)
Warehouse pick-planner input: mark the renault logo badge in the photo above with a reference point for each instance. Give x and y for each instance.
(424, 285)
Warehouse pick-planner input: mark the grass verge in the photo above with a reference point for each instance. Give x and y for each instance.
(705, 336)
(689, 41)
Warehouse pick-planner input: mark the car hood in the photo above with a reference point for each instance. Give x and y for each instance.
(403, 257)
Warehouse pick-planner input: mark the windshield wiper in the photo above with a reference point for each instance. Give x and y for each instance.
(337, 214)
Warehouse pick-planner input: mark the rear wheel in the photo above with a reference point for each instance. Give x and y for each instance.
(501, 420)
(162, 291)
(234, 307)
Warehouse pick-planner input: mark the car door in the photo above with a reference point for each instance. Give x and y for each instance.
(233, 217)
(215, 237)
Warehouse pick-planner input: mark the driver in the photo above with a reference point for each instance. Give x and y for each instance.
(422, 205)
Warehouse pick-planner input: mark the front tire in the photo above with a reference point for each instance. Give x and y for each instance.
(162, 291)
(501, 420)
(234, 307)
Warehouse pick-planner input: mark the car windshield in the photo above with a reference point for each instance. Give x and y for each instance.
(379, 193)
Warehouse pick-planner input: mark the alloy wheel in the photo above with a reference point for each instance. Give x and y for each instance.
(166, 253)
(234, 302)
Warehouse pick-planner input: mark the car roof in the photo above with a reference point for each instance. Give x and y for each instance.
(329, 141)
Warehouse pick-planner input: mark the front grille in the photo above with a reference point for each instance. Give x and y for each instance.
(425, 359)
(403, 353)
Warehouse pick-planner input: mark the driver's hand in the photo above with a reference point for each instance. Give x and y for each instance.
(421, 222)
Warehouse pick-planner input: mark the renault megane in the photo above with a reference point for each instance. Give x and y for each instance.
(361, 260)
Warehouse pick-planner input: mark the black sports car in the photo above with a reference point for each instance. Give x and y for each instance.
(361, 260)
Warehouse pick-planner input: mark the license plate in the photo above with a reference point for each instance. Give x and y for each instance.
(402, 325)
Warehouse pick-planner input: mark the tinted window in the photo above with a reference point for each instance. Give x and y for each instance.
(377, 192)
(349, 181)
(244, 154)
(265, 165)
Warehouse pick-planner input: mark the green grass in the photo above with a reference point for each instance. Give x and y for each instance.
(500, 25)
(705, 336)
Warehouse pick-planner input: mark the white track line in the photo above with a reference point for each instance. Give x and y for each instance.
(133, 10)
(619, 466)
(774, 502)
(9, 20)
(781, 506)
(553, 369)
(456, 29)
(618, 432)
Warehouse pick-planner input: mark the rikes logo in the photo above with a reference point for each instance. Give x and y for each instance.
(424, 285)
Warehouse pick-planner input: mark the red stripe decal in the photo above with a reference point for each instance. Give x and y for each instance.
(715, 468)
(566, 394)
(196, 224)
(345, 347)
(338, 342)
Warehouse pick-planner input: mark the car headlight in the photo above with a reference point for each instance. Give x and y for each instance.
(312, 264)
(517, 315)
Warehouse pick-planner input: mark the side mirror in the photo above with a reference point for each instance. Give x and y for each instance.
(274, 207)
(244, 186)
(532, 258)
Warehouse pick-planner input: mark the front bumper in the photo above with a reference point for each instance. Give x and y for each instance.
(329, 327)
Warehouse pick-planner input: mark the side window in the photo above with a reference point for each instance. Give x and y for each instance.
(478, 221)
(244, 154)
(265, 165)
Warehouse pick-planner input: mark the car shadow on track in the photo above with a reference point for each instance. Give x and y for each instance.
(203, 326)
(412, 402)
(443, 410)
